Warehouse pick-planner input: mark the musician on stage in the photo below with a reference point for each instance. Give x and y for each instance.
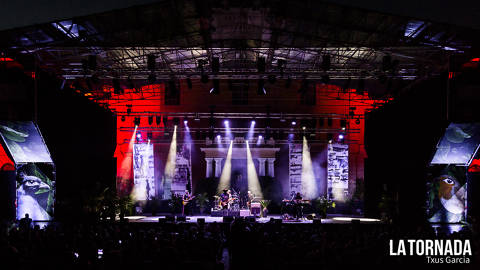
(224, 198)
(297, 202)
(250, 197)
(186, 198)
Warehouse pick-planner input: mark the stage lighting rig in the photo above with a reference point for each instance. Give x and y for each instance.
(158, 120)
(216, 87)
(165, 120)
(261, 87)
(136, 121)
(150, 120)
(343, 124)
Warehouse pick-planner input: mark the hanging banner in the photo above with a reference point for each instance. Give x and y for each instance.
(337, 171)
(143, 172)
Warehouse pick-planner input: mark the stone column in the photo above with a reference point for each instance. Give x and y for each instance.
(218, 167)
(271, 167)
(261, 166)
(208, 170)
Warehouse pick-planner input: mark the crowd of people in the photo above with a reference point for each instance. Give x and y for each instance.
(237, 245)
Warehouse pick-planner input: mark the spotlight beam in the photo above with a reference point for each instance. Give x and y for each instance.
(224, 182)
(169, 171)
(309, 184)
(253, 183)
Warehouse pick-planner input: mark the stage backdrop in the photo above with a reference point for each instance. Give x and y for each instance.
(337, 171)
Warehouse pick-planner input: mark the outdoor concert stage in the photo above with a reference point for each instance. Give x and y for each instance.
(210, 219)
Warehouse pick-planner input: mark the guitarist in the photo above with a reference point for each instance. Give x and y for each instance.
(186, 198)
(224, 199)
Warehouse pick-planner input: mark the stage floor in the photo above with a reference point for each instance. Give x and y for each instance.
(210, 219)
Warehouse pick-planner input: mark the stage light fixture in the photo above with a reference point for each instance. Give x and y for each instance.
(165, 120)
(252, 123)
(150, 120)
(216, 87)
(176, 121)
(260, 137)
(197, 117)
(226, 123)
(329, 138)
(357, 121)
(185, 122)
(136, 121)
(261, 87)
(304, 127)
(341, 136)
(219, 137)
(282, 118)
(343, 124)
(294, 122)
(139, 135)
(123, 118)
(158, 120)
(129, 109)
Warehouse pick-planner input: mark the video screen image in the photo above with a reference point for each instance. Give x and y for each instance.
(35, 191)
(446, 195)
(458, 144)
(24, 142)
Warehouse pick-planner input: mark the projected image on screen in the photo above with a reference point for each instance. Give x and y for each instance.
(35, 192)
(446, 200)
(143, 172)
(24, 142)
(458, 144)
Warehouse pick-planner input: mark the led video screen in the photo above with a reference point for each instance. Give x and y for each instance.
(143, 172)
(24, 142)
(35, 191)
(447, 193)
(458, 144)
